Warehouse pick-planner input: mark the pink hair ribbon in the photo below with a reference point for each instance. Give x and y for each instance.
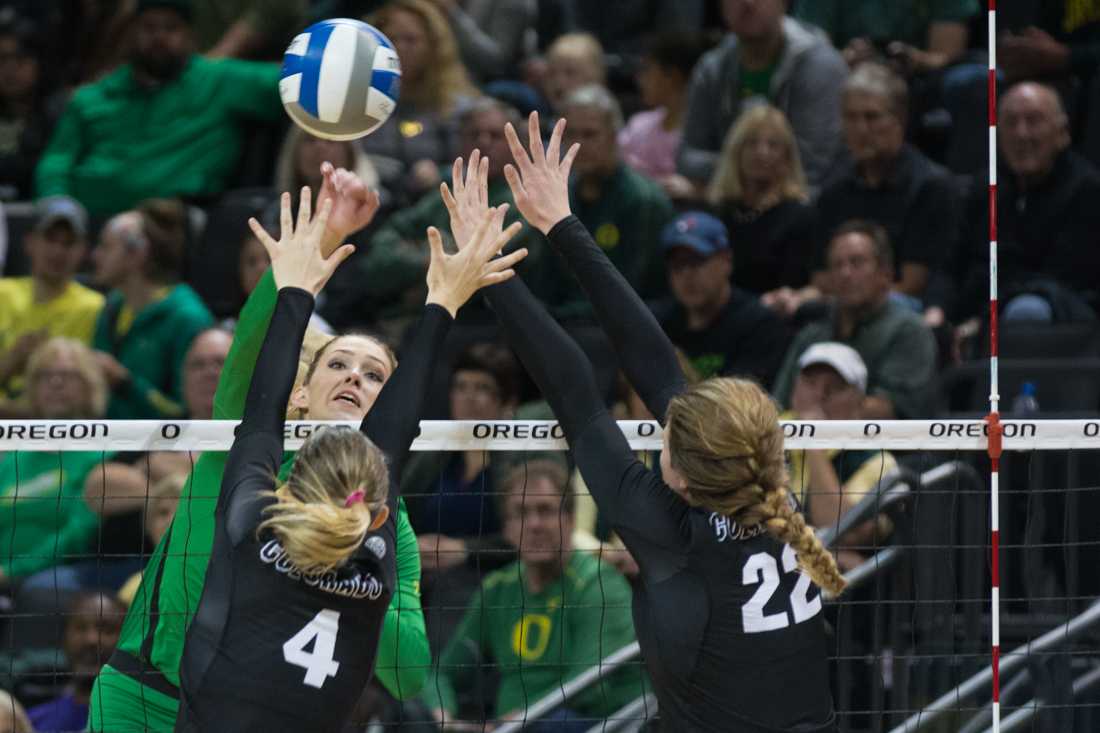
(354, 496)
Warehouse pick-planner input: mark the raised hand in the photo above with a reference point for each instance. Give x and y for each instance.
(540, 186)
(453, 279)
(296, 259)
(470, 201)
(353, 204)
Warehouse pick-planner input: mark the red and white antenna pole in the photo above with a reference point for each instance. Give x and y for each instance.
(994, 418)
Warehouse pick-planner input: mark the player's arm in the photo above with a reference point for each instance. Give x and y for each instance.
(353, 208)
(300, 271)
(404, 657)
(394, 420)
(539, 184)
(629, 495)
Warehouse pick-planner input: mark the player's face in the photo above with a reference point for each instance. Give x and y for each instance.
(698, 281)
(475, 395)
(55, 254)
(201, 368)
(536, 524)
(59, 390)
(671, 476)
(871, 129)
(346, 382)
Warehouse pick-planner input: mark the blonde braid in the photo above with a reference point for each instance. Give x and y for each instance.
(789, 526)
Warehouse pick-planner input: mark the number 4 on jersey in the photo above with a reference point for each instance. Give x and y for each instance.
(761, 568)
(318, 664)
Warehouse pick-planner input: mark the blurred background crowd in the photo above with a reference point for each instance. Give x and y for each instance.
(799, 188)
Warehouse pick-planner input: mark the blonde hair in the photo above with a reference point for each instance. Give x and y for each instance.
(726, 185)
(725, 440)
(286, 165)
(53, 349)
(318, 530)
(20, 722)
(445, 79)
(314, 346)
(584, 47)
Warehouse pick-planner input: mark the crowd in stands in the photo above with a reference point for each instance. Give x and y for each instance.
(797, 187)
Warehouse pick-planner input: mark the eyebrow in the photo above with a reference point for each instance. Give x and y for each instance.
(375, 359)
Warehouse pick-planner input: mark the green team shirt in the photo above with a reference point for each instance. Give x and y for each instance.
(172, 583)
(538, 641)
(43, 516)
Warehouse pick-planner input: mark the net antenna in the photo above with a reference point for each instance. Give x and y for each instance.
(994, 417)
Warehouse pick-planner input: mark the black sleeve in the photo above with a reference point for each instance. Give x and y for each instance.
(645, 353)
(394, 421)
(257, 451)
(648, 516)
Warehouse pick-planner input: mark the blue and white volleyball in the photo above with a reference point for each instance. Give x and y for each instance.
(341, 79)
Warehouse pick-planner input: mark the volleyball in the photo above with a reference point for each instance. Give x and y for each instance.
(340, 79)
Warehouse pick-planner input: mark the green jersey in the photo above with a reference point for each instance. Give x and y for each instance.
(43, 516)
(540, 640)
(157, 622)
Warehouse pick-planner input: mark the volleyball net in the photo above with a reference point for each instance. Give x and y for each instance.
(908, 508)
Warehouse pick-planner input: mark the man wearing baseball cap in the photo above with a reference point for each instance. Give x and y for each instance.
(723, 330)
(831, 385)
(49, 302)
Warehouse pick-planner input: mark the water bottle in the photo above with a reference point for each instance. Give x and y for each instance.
(1025, 405)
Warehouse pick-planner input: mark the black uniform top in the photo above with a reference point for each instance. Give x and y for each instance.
(271, 649)
(731, 632)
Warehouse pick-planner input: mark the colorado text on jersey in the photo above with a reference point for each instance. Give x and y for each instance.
(359, 585)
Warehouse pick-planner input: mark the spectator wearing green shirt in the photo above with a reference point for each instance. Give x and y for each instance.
(150, 318)
(44, 521)
(624, 210)
(168, 123)
(895, 344)
(544, 619)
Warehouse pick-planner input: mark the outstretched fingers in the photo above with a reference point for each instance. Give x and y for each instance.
(305, 204)
(519, 155)
(553, 150)
(261, 234)
(286, 220)
(534, 140)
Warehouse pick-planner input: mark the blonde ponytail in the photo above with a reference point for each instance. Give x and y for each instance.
(317, 517)
(725, 440)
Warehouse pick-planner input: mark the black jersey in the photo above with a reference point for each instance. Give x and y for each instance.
(731, 631)
(271, 648)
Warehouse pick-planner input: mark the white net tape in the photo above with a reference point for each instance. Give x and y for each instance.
(526, 435)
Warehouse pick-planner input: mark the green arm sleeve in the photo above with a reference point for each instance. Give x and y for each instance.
(51, 177)
(248, 337)
(457, 660)
(404, 658)
(151, 401)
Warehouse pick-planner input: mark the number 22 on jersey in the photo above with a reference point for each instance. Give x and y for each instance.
(319, 663)
(762, 568)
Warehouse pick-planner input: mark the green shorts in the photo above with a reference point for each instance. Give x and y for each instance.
(121, 704)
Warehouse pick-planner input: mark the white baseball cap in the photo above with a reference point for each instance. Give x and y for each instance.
(844, 359)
